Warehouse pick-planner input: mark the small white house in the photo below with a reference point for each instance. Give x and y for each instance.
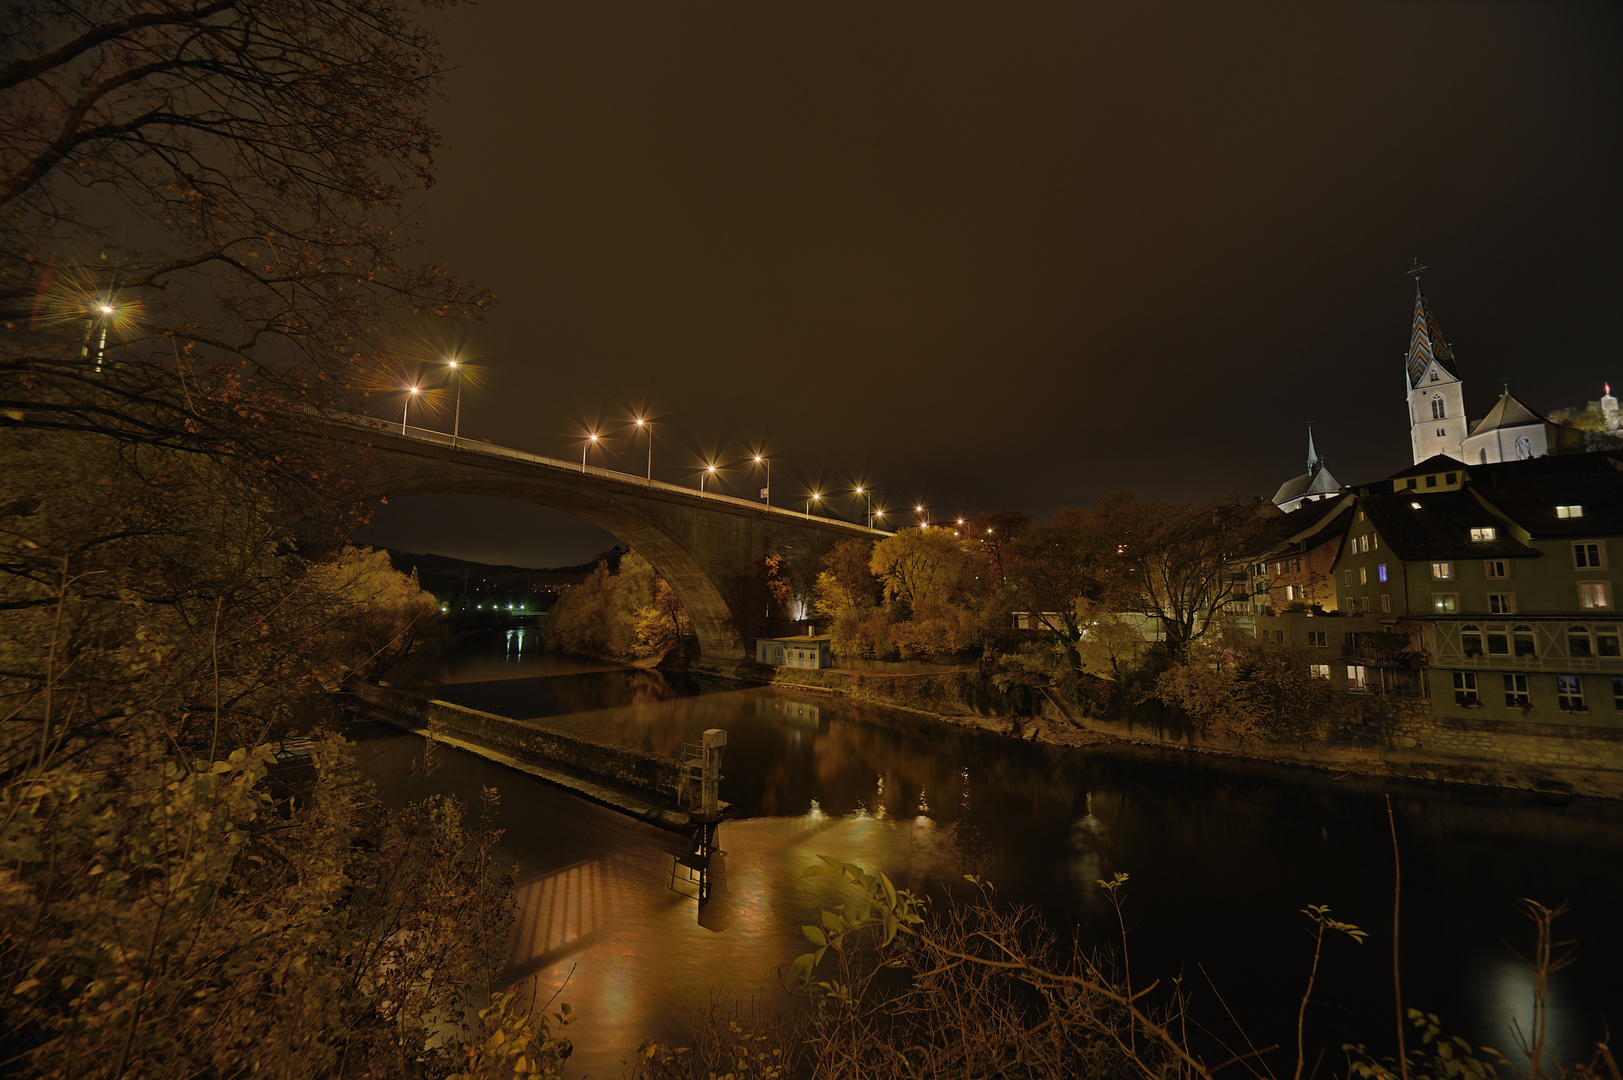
(811, 651)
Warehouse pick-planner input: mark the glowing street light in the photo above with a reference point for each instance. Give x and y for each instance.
(919, 510)
(411, 392)
(456, 373)
(867, 503)
(591, 441)
(709, 470)
(766, 492)
(101, 311)
(815, 498)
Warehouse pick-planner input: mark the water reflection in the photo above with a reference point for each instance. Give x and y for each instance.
(1221, 858)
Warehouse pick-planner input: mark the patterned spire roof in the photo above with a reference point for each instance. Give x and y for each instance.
(1426, 342)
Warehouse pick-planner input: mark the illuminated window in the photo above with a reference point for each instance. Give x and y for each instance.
(1376, 538)
(1569, 692)
(1442, 571)
(1588, 555)
(1380, 572)
(1496, 568)
(1415, 505)
(1319, 671)
(1516, 691)
(1363, 575)
(1569, 511)
(1445, 603)
(1501, 603)
(1595, 595)
(1357, 677)
(1485, 533)
(1465, 688)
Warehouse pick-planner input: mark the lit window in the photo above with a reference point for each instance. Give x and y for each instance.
(1465, 688)
(1442, 571)
(1516, 691)
(1376, 538)
(1486, 533)
(1569, 692)
(1588, 555)
(1445, 603)
(1357, 677)
(1319, 671)
(1569, 511)
(1501, 603)
(1380, 572)
(1363, 575)
(1496, 568)
(1595, 595)
(1415, 505)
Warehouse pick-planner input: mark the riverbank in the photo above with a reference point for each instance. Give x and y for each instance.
(1407, 742)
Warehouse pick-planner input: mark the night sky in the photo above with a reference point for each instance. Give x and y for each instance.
(1011, 256)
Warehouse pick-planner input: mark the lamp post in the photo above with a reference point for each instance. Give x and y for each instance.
(923, 521)
(759, 460)
(101, 311)
(456, 424)
(709, 470)
(815, 497)
(591, 441)
(867, 503)
(411, 392)
(650, 429)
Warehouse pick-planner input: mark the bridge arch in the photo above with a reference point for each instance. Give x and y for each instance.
(710, 548)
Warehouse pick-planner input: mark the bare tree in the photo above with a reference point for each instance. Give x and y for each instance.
(204, 210)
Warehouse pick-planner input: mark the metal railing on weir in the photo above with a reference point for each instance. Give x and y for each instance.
(375, 426)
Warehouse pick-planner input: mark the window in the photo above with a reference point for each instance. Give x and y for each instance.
(1386, 602)
(1442, 571)
(1578, 642)
(1496, 568)
(1617, 692)
(1357, 677)
(1525, 642)
(1431, 481)
(1316, 638)
(1363, 575)
(1451, 477)
(1290, 593)
(1319, 671)
(1516, 691)
(1437, 407)
(1501, 603)
(1588, 555)
(1569, 692)
(1471, 641)
(1415, 505)
(1595, 595)
(1434, 375)
(1465, 688)
(1375, 538)
(1346, 576)
(1606, 641)
(1569, 511)
(1487, 532)
(1380, 572)
(1498, 641)
(1445, 603)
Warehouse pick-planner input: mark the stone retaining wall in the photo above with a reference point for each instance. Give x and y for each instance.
(660, 779)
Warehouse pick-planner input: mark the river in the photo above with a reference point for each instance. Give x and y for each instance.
(1222, 856)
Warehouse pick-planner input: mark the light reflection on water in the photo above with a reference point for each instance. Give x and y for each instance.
(1221, 860)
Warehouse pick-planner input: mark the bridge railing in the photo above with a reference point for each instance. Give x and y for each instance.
(374, 426)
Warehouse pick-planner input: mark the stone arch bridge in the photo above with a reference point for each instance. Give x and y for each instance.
(710, 547)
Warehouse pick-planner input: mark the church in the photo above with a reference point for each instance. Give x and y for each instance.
(1438, 425)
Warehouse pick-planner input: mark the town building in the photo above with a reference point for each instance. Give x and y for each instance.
(1315, 485)
(809, 651)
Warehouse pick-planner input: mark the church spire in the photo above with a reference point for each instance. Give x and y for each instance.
(1313, 461)
(1426, 342)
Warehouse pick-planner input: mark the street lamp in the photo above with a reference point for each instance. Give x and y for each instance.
(650, 429)
(709, 470)
(867, 503)
(815, 497)
(456, 425)
(105, 310)
(411, 392)
(766, 492)
(923, 521)
(591, 441)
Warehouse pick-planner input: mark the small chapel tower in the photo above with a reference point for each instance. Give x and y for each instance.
(1436, 395)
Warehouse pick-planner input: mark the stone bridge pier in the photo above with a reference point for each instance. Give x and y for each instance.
(711, 548)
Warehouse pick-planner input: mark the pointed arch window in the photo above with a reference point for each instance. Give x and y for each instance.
(1437, 407)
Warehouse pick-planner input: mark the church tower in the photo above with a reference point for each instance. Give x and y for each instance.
(1436, 395)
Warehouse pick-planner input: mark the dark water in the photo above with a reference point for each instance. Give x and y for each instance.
(1221, 858)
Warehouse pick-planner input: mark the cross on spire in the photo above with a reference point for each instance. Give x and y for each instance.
(1415, 271)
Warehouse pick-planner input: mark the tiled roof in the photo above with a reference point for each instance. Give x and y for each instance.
(1426, 343)
(1440, 527)
(1437, 463)
(1314, 482)
(1507, 413)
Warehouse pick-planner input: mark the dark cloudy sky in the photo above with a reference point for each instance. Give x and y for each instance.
(1015, 256)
